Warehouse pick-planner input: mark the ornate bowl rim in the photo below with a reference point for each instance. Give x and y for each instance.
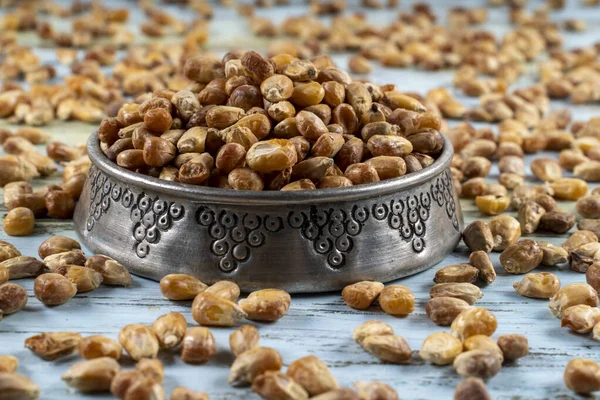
(239, 197)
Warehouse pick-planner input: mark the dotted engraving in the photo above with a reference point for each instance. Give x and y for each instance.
(233, 236)
(103, 192)
(408, 217)
(442, 191)
(150, 217)
(330, 230)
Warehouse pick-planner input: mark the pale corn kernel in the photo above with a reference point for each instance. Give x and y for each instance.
(389, 348)
(473, 321)
(542, 285)
(138, 341)
(580, 318)
(169, 329)
(313, 375)
(92, 375)
(440, 348)
(371, 328)
(254, 362)
(572, 295)
(483, 342)
(244, 338)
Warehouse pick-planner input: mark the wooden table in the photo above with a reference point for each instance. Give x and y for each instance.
(317, 324)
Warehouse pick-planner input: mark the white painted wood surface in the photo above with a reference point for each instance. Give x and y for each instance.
(317, 324)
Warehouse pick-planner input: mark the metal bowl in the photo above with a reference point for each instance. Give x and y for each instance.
(307, 241)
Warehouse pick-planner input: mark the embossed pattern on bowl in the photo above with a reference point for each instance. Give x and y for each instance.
(299, 241)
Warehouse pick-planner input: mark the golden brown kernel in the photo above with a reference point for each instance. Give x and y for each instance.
(464, 291)
(266, 305)
(521, 257)
(254, 362)
(592, 276)
(492, 204)
(578, 239)
(271, 155)
(557, 221)
(211, 310)
(20, 194)
(312, 374)
(112, 272)
(85, 279)
(443, 310)
(473, 321)
(361, 295)
(53, 289)
(169, 329)
(92, 375)
(18, 386)
(60, 204)
(277, 88)
(275, 385)
(572, 295)
(12, 298)
(483, 342)
(569, 188)
(57, 244)
(588, 207)
(456, 273)
(124, 380)
(388, 348)
(9, 364)
(397, 300)
(481, 260)
(580, 318)
(158, 152)
(478, 236)
(513, 346)
(198, 346)
(478, 363)
(73, 257)
(53, 345)
(182, 393)
(530, 216)
(245, 179)
(582, 375)
(19, 222)
(97, 346)
(546, 169)
(371, 328)
(582, 257)
(472, 387)
(359, 65)
(151, 368)
(375, 390)
(361, 173)
(244, 338)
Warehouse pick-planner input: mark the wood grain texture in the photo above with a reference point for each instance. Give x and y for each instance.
(317, 324)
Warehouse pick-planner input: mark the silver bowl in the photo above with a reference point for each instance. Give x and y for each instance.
(307, 241)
